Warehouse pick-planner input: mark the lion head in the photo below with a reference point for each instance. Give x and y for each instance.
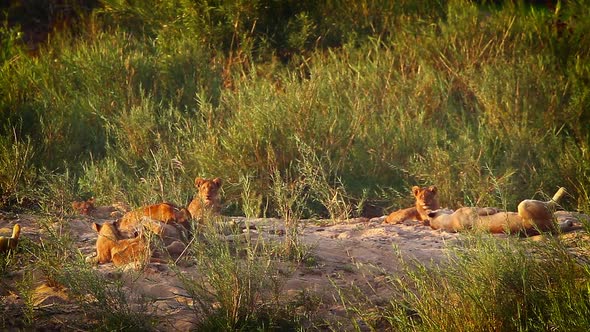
(207, 197)
(84, 207)
(426, 200)
(108, 235)
(208, 189)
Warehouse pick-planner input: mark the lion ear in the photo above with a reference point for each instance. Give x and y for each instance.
(199, 181)
(432, 189)
(96, 227)
(415, 190)
(186, 215)
(218, 182)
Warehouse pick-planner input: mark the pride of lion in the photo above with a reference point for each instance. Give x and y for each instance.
(112, 247)
(533, 216)
(125, 240)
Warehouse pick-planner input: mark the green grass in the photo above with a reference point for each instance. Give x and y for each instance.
(506, 286)
(240, 283)
(487, 284)
(452, 94)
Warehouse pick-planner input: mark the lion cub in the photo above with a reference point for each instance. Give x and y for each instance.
(10, 243)
(112, 247)
(426, 201)
(166, 213)
(88, 208)
(207, 199)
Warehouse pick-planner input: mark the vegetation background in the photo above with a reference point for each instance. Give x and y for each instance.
(353, 102)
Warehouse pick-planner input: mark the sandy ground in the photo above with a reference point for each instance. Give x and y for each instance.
(356, 251)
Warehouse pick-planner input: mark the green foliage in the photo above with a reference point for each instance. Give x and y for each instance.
(361, 99)
(10, 47)
(496, 285)
(16, 172)
(304, 108)
(240, 275)
(104, 299)
(486, 284)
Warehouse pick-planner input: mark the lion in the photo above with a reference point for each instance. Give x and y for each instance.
(207, 200)
(166, 213)
(112, 247)
(426, 200)
(88, 208)
(533, 216)
(10, 243)
(171, 234)
(83, 207)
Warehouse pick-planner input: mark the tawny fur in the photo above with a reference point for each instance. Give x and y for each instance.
(207, 200)
(83, 207)
(426, 200)
(164, 213)
(10, 243)
(532, 216)
(89, 208)
(167, 232)
(112, 247)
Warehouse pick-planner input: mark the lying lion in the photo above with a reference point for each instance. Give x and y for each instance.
(112, 247)
(165, 213)
(533, 216)
(207, 201)
(160, 219)
(88, 208)
(426, 200)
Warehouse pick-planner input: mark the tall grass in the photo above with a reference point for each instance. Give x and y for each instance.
(308, 108)
(239, 284)
(495, 285)
(486, 284)
(456, 94)
(16, 172)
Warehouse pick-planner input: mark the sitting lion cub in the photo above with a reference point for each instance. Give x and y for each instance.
(426, 201)
(207, 200)
(532, 216)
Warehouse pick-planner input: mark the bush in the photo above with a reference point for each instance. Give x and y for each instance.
(465, 96)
